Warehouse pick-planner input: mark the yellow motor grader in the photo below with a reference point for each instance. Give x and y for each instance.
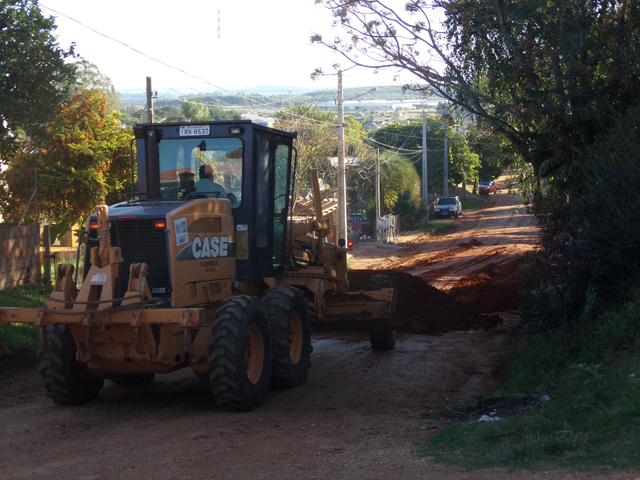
(203, 267)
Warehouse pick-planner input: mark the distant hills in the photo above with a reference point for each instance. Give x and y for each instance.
(281, 96)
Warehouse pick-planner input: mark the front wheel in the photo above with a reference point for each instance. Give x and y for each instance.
(288, 313)
(382, 340)
(240, 354)
(67, 381)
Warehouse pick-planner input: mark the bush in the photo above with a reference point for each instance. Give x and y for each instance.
(588, 262)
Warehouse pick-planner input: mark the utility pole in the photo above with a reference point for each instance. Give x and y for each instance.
(377, 228)
(425, 193)
(446, 164)
(342, 197)
(35, 190)
(149, 101)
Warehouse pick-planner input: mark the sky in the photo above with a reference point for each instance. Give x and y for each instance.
(256, 42)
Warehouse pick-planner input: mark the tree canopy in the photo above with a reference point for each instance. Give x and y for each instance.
(82, 160)
(35, 77)
(463, 163)
(317, 141)
(88, 77)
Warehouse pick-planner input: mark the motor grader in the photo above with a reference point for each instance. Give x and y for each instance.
(222, 280)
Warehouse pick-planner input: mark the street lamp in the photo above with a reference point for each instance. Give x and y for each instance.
(342, 178)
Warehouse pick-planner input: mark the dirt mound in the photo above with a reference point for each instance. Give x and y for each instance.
(473, 243)
(491, 289)
(422, 308)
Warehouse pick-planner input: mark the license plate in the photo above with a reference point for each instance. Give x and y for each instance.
(192, 130)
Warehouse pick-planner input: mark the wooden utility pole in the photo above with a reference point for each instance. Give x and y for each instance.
(377, 228)
(446, 164)
(342, 190)
(149, 101)
(425, 193)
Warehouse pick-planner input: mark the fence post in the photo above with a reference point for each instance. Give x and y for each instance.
(46, 241)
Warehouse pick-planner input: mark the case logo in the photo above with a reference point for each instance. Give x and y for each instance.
(214, 247)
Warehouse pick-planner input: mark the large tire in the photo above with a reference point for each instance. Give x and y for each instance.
(131, 379)
(240, 354)
(67, 381)
(381, 340)
(288, 313)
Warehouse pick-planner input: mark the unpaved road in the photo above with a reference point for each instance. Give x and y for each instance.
(361, 414)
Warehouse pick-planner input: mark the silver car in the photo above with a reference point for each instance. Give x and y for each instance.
(448, 207)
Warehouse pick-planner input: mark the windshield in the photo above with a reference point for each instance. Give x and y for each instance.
(210, 167)
(447, 201)
(484, 183)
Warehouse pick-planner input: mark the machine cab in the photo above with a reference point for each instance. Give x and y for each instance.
(239, 162)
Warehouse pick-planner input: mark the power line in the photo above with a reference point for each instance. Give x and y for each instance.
(159, 61)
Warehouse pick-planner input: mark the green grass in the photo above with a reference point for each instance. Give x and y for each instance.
(19, 335)
(592, 375)
(470, 203)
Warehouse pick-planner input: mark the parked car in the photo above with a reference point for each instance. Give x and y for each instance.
(487, 188)
(448, 207)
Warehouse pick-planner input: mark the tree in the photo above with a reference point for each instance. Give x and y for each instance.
(316, 142)
(34, 77)
(195, 111)
(82, 161)
(548, 75)
(89, 77)
(486, 144)
(463, 163)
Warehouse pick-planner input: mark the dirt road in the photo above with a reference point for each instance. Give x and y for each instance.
(361, 414)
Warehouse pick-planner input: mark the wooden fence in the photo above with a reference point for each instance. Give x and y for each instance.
(19, 255)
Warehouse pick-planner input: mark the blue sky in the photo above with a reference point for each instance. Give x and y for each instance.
(260, 42)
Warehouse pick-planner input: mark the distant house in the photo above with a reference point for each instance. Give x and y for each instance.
(370, 125)
(257, 119)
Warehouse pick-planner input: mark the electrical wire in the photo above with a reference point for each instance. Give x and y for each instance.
(252, 101)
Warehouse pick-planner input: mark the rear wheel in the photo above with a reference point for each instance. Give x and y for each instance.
(240, 354)
(67, 381)
(381, 339)
(288, 313)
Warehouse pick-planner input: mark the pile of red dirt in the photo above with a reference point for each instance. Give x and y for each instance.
(422, 308)
(491, 289)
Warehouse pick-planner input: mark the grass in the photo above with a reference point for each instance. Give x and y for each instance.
(19, 335)
(470, 203)
(591, 374)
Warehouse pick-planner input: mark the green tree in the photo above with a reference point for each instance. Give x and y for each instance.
(34, 75)
(548, 75)
(487, 145)
(317, 145)
(316, 142)
(194, 111)
(82, 161)
(463, 163)
(89, 77)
